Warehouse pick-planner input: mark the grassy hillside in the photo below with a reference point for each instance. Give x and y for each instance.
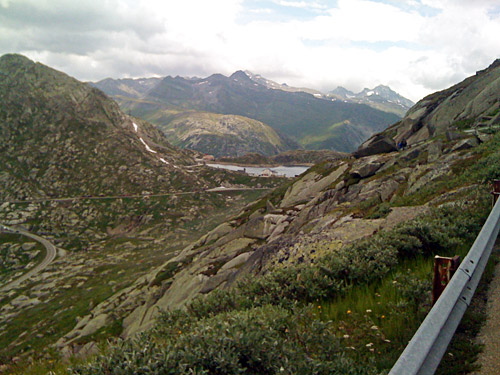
(224, 135)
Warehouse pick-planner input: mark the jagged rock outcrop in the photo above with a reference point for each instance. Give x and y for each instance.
(378, 144)
(471, 104)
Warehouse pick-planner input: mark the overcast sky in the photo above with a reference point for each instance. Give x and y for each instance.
(414, 46)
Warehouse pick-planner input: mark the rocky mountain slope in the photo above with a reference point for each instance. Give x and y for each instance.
(224, 135)
(60, 137)
(380, 97)
(313, 122)
(340, 210)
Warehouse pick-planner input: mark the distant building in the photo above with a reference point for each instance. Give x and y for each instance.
(267, 173)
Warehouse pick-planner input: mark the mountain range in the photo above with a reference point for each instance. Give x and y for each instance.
(310, 120)
(381, 97)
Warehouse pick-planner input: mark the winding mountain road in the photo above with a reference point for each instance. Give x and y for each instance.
(140, 196)
(50, 256)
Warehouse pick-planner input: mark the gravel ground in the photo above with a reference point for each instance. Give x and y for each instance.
(489, 336)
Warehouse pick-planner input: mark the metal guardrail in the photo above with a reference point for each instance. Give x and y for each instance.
(427, 347)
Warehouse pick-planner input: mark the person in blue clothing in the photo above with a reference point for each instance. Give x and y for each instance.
(402, 144)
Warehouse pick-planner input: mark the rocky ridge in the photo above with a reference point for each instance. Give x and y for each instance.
(471, 104)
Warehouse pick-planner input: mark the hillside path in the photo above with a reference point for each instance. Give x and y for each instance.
(51, 254)
(489, 335)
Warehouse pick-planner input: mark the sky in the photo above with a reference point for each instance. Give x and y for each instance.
(415, 46)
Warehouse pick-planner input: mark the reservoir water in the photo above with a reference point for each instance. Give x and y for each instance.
(281, 170)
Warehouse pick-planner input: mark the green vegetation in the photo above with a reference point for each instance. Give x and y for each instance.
(369, 295)
(264, 340)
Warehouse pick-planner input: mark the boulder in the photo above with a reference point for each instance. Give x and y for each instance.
(454, 135)
(434, 151)
(218, 232)
(466, 144)
(255, 228)
(366, 170)
(424, 175)
(262, 227)
(94, 324)
(411, 154)
(378, 144)
(23, 301)
(379, 188)
(236, 262)
(88, 349)
(232, 248)
(278, 231)
(270, 206)
(310, 185)
(27, 246)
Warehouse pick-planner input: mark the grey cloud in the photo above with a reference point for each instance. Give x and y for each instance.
(74, 26)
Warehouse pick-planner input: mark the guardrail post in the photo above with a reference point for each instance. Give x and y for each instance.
(444, 268)
(496, 190)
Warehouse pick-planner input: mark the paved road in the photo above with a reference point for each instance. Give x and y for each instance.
(51, 254)
(99, 197)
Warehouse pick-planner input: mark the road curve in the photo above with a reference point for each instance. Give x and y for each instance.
(51, 254)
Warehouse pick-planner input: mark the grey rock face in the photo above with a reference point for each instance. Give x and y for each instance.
(466, 144)
(378, 144)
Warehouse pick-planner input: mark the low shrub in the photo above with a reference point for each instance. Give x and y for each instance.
(265, 340)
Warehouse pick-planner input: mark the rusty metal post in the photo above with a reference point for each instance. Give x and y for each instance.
(444, 268)
(496, 190)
